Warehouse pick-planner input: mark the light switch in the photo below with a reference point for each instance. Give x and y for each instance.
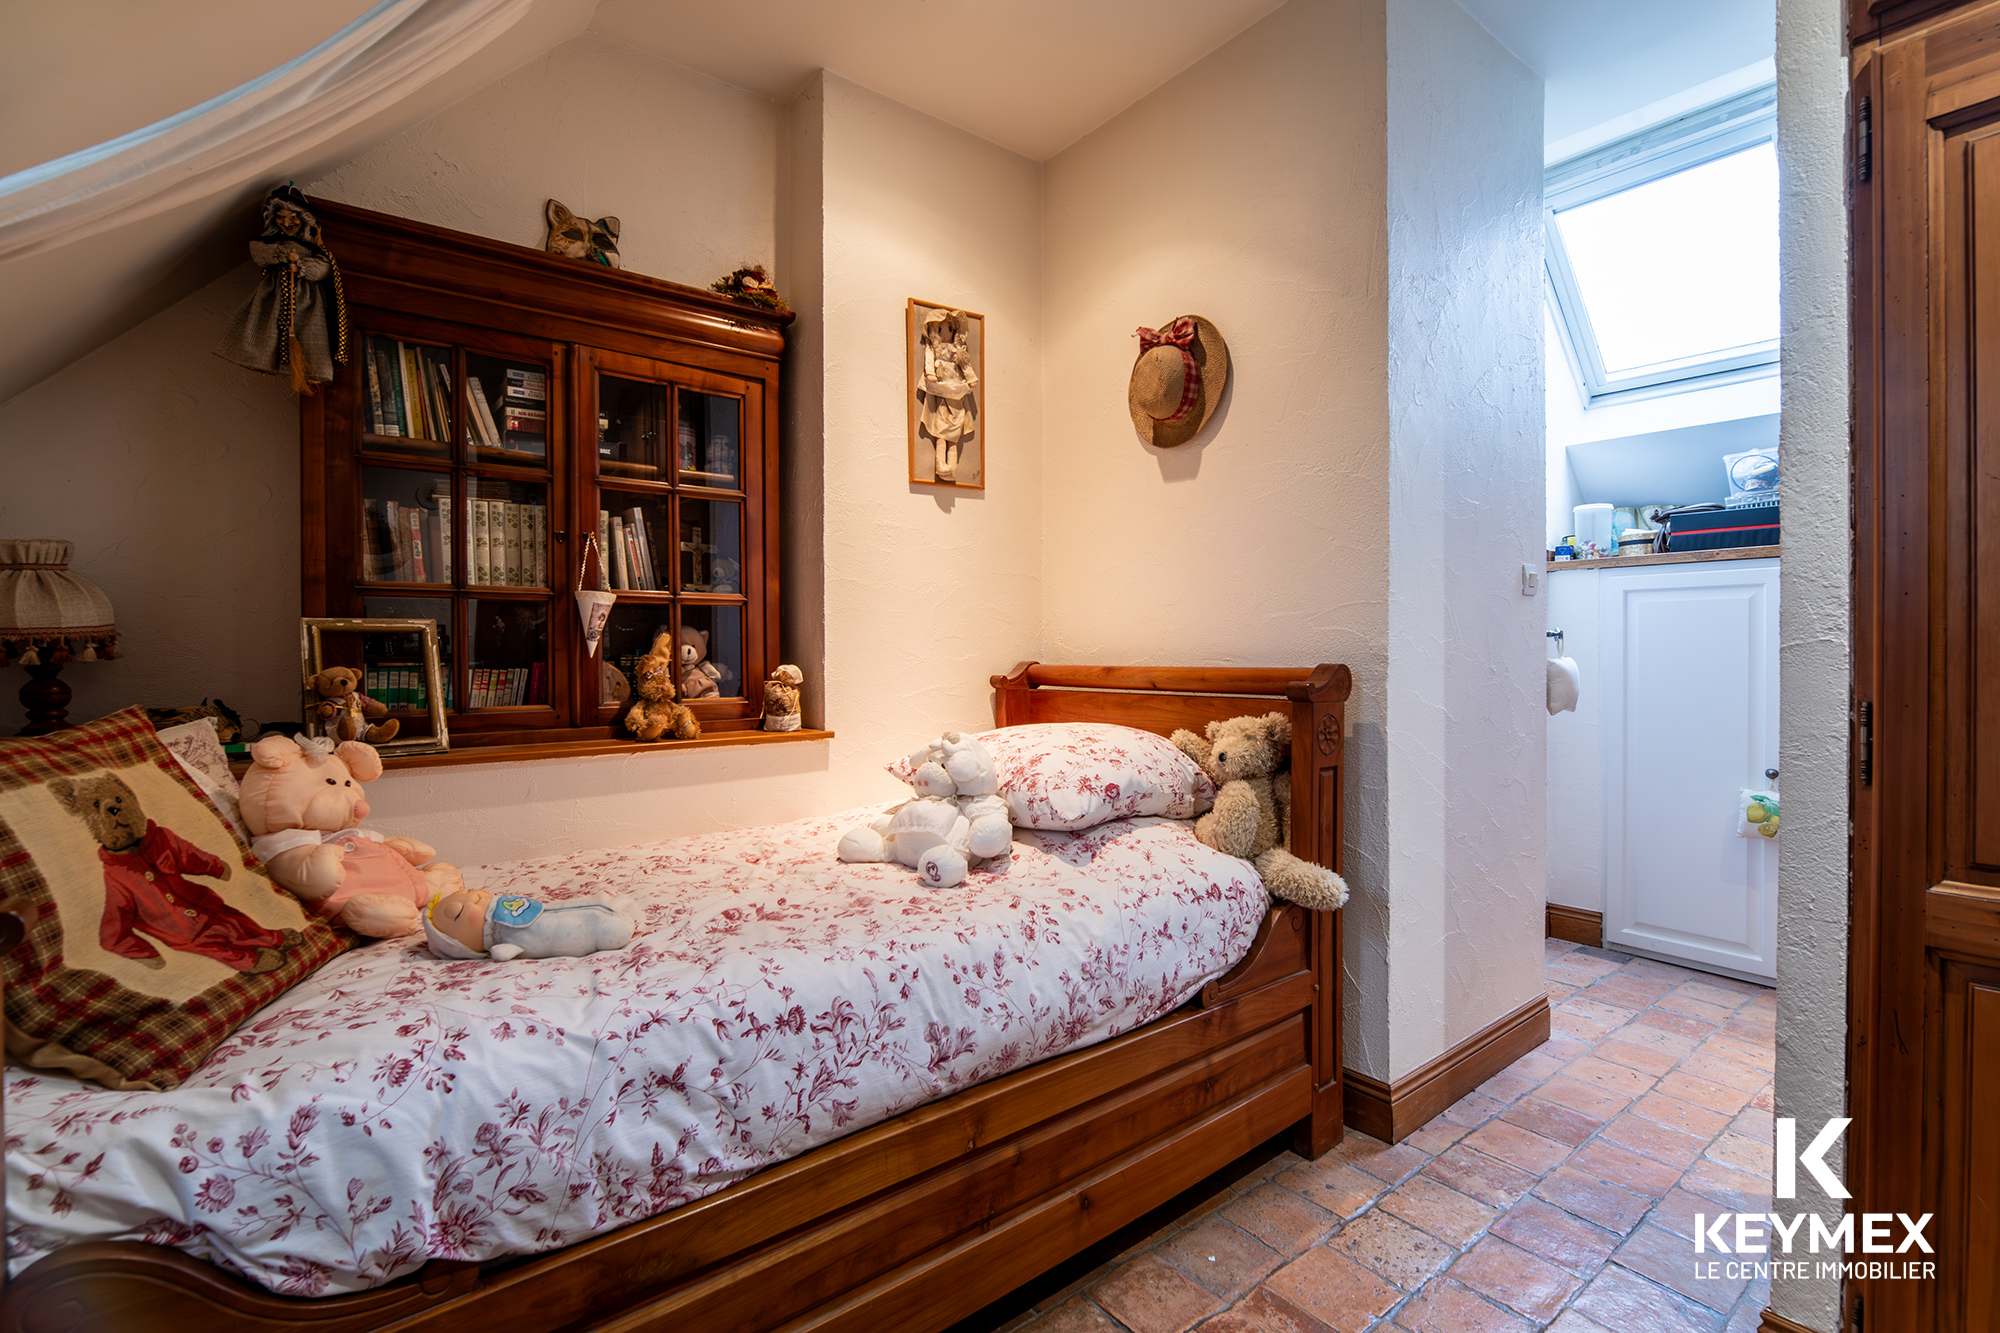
(1531, 579)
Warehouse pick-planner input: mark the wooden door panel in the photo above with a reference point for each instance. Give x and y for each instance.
(1971, 592)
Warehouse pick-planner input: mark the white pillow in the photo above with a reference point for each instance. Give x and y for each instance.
(1066, 776)
(196, 747)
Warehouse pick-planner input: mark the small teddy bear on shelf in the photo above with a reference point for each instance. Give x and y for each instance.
(701, 678)
(781, 699)
(344, 712)
(303, 805)
(958, 820)
(654, 713)
(1249, 760)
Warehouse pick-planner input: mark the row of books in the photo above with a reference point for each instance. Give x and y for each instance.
(508, 687)
(400, 685)
(522, 424)
(409, 389)
(407, 543)
(510, 543)
(628, 551)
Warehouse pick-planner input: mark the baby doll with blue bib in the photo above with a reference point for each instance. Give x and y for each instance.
(475, 924)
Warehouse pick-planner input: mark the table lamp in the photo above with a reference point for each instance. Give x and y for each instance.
(49, 617)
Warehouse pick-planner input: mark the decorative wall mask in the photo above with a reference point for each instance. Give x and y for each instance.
(573, 237)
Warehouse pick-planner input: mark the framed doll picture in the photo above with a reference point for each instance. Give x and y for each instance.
(947, 363)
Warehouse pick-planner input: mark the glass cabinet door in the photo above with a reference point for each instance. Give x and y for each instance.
(676, 449)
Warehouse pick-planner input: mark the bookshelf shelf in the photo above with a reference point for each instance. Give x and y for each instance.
(503, 404)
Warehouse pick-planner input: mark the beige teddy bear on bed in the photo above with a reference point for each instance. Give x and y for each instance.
(1248, 759)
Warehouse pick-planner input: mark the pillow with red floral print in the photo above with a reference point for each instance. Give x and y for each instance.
(1066, 776)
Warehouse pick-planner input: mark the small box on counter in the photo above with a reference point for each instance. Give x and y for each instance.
(1721, 529)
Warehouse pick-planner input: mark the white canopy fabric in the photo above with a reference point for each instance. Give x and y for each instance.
(251, 133)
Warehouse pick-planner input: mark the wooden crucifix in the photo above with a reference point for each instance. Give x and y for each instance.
(696, 577)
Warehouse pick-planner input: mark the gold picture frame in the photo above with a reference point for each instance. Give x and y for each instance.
(946, 360)
(312, 660)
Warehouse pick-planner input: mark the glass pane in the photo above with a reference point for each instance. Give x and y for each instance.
(405, 526)
(711, 652)
(628, 636)
(393, 664)
(510, 653)
(707, 438)
(406, 397)
(629, 529)
(1684, 268)
(507, 410)
(710, 547)
(507, 533)
(631, 429)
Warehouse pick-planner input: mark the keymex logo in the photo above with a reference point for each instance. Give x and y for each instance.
(1807, 1233)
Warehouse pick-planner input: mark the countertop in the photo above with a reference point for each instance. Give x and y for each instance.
(1671, 558)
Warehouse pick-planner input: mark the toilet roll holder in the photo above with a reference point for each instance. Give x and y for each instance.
(1557, 635)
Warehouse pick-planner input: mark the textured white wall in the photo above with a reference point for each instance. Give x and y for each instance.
(1248, 189)
(1814, 626)
(1575, 789)
(1466, 725)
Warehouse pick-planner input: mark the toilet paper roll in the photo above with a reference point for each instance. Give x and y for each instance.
(1565, 685)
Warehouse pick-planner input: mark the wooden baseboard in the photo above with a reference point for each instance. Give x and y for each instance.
(1575, 925)
(1392, 1112)
(1777, 1323)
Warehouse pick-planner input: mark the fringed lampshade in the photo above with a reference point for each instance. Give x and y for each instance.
(49, 617)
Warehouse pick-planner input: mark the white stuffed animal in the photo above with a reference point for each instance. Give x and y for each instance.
(957, 820)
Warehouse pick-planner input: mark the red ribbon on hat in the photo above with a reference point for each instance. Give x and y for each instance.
(1180, 336)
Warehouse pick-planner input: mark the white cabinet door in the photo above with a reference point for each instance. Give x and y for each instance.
(1690, 680)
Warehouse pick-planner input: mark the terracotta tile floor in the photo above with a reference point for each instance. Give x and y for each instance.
(1560, 1195)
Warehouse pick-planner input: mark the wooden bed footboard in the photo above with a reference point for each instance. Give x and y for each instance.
(921, 1220)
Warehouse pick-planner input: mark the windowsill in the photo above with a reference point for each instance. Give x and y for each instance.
(515, 754)
(1671, 558)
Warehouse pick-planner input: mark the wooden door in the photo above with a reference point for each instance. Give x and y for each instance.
(1926, 927)
(1690, 709)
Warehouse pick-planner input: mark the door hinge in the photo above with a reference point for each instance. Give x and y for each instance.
(1865, 768)
(1864, 140)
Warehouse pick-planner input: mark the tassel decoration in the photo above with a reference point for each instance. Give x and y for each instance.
(30, 657)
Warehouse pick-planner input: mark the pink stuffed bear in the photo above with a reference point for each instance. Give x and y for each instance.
(303, 805)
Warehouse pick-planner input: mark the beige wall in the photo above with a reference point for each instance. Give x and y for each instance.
(1467, 723)
(1248, 189)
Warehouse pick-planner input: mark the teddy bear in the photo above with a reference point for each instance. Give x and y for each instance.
(146, 886)
(1248, 759)
(654, 713)
(957, 820)
(344, 711)
(781, 699)
(700, 678)
(303, 804)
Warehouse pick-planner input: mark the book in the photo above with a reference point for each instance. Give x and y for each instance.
(374, 400)
(513, 538)
(539, 575)
(390, 385)
(603, 549)
(635, 527)
(482, 412)
(632, 565)
(482, 546)
(443, 497)
(537, 684)
(440, 384)
(479, 678)
(619, 573)
(413, 403)
(415, 519)
(521, 383)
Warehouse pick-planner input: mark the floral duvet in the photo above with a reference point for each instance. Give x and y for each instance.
(393, 1108)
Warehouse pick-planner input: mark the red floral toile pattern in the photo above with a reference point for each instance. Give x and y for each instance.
(393, 1108)
(1077, 775)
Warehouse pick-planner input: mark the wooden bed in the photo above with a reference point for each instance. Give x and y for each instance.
(921, 1220)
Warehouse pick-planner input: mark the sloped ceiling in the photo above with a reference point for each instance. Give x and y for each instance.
(1030, 75)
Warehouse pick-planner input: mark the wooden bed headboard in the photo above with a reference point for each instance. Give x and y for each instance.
(1161, 699)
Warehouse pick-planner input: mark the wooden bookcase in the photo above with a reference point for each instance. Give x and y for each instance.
(655, 401)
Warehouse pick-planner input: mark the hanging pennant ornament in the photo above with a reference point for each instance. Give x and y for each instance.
(593, 605)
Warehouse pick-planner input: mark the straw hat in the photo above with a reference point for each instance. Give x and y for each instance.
(1177, 380)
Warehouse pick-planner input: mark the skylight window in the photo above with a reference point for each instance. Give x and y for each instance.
(1663, 254)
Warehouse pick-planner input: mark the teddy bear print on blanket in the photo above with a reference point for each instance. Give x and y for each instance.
(1248, 760)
